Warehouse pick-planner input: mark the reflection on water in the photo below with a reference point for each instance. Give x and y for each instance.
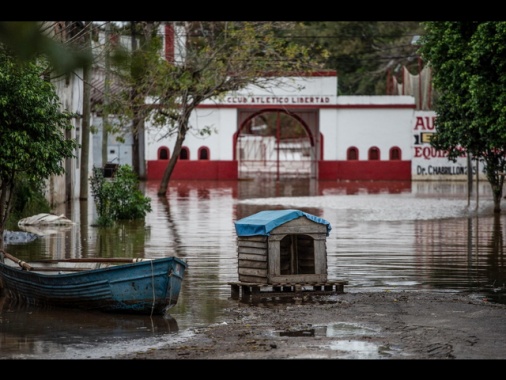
(385, 236)
(29, 332)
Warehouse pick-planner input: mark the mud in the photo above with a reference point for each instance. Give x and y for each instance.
(375, 325)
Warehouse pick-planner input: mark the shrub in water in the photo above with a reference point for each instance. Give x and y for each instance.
(118, 198)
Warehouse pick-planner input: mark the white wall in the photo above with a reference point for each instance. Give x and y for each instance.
(368, 127)
(70, 93)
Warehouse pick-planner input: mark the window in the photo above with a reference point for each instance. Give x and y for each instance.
(203, 153)
(163, 153)
(184, 154)
(352, 153)
(374, 153)
(395, 153)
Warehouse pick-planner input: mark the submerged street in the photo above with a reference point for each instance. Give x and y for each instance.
(385, 237)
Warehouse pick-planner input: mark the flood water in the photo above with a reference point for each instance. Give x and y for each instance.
(386, 236)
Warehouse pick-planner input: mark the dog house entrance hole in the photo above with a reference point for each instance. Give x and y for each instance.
(297, 254)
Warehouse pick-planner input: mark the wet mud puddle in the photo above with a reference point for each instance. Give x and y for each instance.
(341, 338)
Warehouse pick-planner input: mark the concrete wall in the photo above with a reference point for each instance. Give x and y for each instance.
(67, 186)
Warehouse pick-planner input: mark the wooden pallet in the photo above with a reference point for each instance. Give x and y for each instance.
(250, 289)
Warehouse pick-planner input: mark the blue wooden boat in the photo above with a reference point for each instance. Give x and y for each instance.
(136, 286)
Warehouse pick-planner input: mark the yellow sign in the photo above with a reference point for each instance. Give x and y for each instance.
(426, 136)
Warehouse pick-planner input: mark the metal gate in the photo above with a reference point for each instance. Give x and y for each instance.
(279, 148)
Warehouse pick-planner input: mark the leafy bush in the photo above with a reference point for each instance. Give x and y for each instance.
(118, 198)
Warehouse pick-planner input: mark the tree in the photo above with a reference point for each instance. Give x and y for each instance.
(362, 52)
(468, 60)
(218, 58)
(32, 129)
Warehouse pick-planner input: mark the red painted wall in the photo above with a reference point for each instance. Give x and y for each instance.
(365, 170)
(328, 170)
(187, 169)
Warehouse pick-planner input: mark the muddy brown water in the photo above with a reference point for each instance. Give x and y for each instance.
(417, 236)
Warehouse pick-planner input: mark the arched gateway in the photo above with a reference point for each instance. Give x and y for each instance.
(277, 143)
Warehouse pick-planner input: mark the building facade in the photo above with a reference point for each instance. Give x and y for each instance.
(304, 129)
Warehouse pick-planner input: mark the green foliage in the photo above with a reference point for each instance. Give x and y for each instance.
(468, 60)
(33, 130)
(33, 126)
(362, 52)
(29, 40)
(118, 198)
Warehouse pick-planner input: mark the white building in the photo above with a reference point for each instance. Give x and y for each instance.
(345, 137)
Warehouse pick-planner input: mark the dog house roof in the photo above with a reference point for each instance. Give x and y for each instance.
(263, 222)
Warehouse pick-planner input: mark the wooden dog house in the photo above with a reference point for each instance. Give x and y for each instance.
(285, 250)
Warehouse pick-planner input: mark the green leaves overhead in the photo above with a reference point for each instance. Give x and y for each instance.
(29, 40)
(32, 127)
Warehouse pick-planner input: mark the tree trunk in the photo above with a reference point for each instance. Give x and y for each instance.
(3, 212)
(85, 136)
(496, 180)
(186, 110)
(162, 190)
(107, 89)
(133, 98)
(135, 143)
(141, 175)
(6, 189)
